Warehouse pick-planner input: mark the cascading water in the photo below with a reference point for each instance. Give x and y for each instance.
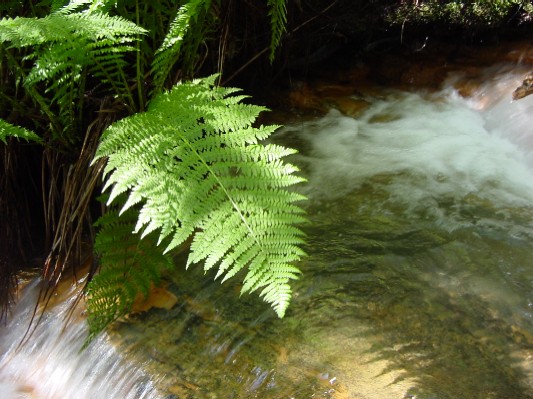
(418, 284)
(50, 363)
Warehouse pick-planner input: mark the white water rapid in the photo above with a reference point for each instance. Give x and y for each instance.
(428, 148)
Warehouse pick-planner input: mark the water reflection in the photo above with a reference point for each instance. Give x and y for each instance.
(390, 307)
(450, 316)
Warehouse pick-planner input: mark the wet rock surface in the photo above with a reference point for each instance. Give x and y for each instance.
(348, 87)
(525, 89)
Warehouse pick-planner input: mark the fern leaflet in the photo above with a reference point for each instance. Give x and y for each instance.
(9, 130)
(69, 41)
(278, 21)
(171, 49)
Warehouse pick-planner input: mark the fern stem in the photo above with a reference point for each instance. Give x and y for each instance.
(56, 124)
(245, 65)
(81, 91)
(140, 77)
(233, 203)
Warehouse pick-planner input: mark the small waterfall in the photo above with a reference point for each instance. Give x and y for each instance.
(51, 364)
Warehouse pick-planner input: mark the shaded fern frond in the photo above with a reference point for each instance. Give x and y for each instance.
(68, 42)
(195, 165)
(278, 22)
(187, 18)
(9, 130)
(128, 265)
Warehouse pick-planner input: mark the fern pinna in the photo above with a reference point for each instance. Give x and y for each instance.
(185, 28)
(194, 165)
(278, 22)
(9, 130)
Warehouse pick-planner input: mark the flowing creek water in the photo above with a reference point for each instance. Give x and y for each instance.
(418, 284)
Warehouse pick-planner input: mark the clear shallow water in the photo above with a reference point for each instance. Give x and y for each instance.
(419, 280)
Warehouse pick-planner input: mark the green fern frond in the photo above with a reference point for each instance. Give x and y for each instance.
(65, 23)
(278, 22)
(67, 44)
(194, 164)
(128, 266)
(9, 130)
(170, 50)
(22, 32)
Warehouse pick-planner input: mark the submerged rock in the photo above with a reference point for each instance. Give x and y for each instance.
(158, 297)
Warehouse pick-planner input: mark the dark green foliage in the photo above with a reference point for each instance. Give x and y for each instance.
(128, 265)
(67, 45)
(194, 162)
(465, 14)
(186, 26)
(192, 166)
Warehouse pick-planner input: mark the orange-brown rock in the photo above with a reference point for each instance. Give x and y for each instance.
(304, 97)
(466, 87)
(426, 75)
(334, 90)
(350, 106)
(159, 297)
(389, 71)
(522, 54)
(358, 73)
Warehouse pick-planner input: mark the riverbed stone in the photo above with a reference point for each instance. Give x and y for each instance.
(349, 106)
(428, 76)
(158, 297)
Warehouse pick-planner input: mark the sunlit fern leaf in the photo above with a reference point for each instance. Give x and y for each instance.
(278, 22)
(9, 130)
(171, 49)
(128, 266)
(64, 25)
(66, 7)
(194, 165)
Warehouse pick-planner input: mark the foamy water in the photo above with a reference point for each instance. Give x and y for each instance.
(428, 148)
(52, 365)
